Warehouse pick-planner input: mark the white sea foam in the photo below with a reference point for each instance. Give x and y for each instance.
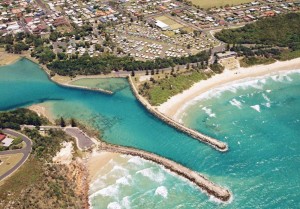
(148, 172)
(126, 202)
(124, 180)
(256, 107)
(268, 104)
(97, 183)
(281, 78)
(116, 171)
(257, 82)
(119, 169)
(136, 160)
(268, 101)
(162, 191)
(216, 200)
(114, 205)
(236, 103)
(110, 191)
(209, 112)
(266, 97)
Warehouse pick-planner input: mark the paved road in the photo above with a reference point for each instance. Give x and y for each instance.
(83, 141)
(25, 151)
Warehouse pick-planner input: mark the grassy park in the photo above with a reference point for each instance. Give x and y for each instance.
(9, 161)
(217, 3)
(159, 91)
(174, 25)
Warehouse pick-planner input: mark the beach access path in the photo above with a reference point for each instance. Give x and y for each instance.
(25, 151)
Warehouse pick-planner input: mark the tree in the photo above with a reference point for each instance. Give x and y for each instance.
(132, 73)
(73, 122)
(61, 56)
(152, 72)
(62, 122)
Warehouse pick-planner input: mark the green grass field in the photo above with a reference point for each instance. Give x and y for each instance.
(217, 3)
(164, 88)
(174, 25)
(9, 161)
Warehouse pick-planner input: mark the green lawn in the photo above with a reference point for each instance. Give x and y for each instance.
(163, 89)
(217, 3)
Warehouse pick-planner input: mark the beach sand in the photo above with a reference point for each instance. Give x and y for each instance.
(42, 110)
(7, 59)
(97, 160)
(177, 102)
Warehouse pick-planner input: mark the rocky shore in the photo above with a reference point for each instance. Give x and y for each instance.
(221, 146)
(202, 182)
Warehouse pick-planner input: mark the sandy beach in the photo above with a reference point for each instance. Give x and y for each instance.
(97, 160)
(42, 110)
(7, 59)
(176, 103)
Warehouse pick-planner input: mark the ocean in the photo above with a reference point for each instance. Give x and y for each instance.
(259, 118)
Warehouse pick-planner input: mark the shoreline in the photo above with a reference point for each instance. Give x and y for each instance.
(8, 59)
(43, 109)
(106, 151)
(216, 144)
(205, 185)
(178, 103)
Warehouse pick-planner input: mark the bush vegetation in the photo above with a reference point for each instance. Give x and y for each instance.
(39, 183)
(281, 31)
(250, 61)
(13, 119)
(265, 40)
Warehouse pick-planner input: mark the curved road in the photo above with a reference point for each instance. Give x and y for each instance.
(25, 151)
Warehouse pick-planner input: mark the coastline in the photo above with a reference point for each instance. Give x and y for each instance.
(216, 144)
(207, 186)
(43, 110)
(177, 103)
(8, 59)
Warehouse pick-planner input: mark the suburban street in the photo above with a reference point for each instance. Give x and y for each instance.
(25, 151)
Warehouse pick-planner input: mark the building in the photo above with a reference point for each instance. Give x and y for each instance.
(162, 25)
(2, 137)
(227, 54)
(6, 142)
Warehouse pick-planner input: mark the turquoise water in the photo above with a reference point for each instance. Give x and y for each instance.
(261, 168)
(111, 84)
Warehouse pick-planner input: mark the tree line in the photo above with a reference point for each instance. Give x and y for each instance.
(13, 119)
(86, 65)
(281, 31)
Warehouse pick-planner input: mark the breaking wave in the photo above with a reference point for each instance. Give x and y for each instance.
(162, 191)
(252, 82)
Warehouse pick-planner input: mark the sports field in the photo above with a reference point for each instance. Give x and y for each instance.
(174, 25)
(217, 3)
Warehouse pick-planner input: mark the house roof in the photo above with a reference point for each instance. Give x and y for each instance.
(2, 136)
